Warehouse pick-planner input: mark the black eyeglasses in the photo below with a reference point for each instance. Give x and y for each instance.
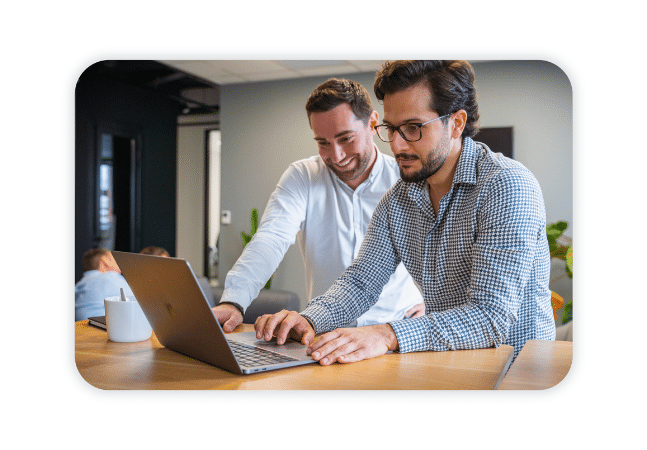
(410, 132)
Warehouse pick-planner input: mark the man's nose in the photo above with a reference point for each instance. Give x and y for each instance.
(398, 143)
(337, 153)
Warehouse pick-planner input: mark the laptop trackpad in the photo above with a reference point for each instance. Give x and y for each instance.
(290, 348)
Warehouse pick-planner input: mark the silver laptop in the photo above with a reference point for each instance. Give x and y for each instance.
(170, 296)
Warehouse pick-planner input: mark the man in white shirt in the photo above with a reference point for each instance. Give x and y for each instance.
(326, 202)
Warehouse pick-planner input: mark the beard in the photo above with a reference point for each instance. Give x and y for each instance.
(431, 163)
(362, 161)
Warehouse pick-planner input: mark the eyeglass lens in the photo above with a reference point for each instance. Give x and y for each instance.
(410, 132)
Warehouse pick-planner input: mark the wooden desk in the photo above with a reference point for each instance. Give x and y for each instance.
(539, 365)
(148, 365)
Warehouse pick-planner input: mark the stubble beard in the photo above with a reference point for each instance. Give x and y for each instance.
(362, 164)
(430, 164)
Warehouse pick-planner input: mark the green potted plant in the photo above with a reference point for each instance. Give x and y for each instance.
(565, 253)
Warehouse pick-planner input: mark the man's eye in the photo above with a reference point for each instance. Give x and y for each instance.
(410, 128)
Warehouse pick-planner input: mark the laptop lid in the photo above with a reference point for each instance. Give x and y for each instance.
(173, 302)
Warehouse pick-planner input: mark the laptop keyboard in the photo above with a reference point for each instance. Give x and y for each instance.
(254, 356)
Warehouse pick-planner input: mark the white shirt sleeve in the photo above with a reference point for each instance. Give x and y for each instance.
(278, 228)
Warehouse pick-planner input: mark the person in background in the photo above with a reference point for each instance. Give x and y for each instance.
(155, 251)
(101, 278)
(469, 225)
(325, 202)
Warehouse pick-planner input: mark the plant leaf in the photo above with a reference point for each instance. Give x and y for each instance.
(567, 315)
(569, 261)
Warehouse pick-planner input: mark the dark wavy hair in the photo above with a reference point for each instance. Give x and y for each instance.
(335, 92)
(451, 84)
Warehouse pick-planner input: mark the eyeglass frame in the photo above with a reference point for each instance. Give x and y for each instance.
(419, 125)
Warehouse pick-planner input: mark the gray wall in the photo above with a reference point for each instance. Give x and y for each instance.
(264, 128)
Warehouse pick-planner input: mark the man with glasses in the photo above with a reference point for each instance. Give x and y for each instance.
(326, 202)
(468, 224)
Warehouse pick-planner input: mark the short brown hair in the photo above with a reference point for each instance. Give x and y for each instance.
(91, 258)
(451, 84)
(156, 251)
(335, 92)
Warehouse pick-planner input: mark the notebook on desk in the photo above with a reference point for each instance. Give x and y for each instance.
(177, 310)
(98, 321)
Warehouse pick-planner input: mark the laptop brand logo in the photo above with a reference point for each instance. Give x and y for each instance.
(169, 308)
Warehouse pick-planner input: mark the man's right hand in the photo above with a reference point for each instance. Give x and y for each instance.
(290, 324)
(229, 316)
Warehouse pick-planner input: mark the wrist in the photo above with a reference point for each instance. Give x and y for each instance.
(235, 305)
(310, 322)
(391, 338)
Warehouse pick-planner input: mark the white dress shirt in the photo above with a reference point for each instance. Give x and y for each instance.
(329, 220)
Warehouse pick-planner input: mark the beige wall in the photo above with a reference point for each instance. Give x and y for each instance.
(191, 172)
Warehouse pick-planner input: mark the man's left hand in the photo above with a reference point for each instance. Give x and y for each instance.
(416, 311)
(346, 345)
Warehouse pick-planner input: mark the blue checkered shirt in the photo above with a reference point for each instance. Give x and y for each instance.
(483, 263)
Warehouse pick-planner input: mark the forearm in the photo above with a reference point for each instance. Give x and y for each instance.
(281, 221)
(457, 329)
(247, 277)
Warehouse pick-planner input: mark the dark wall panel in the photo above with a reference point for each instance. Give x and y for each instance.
(102, 102)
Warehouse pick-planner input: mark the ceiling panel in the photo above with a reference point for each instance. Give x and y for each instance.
(241, 71)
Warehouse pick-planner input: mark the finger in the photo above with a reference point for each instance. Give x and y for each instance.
(328, 352)
(302, 331)
(309, 336)
(271, 324)
(288, 325)
(335, 350)
(232, 323)
(351, 357)
(259, 325)
(323, 340)
(418, 313)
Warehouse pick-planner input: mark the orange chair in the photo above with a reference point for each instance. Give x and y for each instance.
(557, 302)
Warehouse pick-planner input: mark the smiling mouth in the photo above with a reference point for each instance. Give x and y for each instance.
(345, 164)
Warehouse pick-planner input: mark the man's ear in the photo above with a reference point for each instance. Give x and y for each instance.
(458, 122)
(373, 120)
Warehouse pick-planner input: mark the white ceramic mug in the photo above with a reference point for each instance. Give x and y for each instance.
(125, 320)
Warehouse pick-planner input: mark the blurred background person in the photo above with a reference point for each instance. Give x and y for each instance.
(155, 251)
(101, 278)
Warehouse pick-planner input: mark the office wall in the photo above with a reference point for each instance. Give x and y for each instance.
(264, 128)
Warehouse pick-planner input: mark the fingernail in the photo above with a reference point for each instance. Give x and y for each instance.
(315, 355)
(268, 337)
